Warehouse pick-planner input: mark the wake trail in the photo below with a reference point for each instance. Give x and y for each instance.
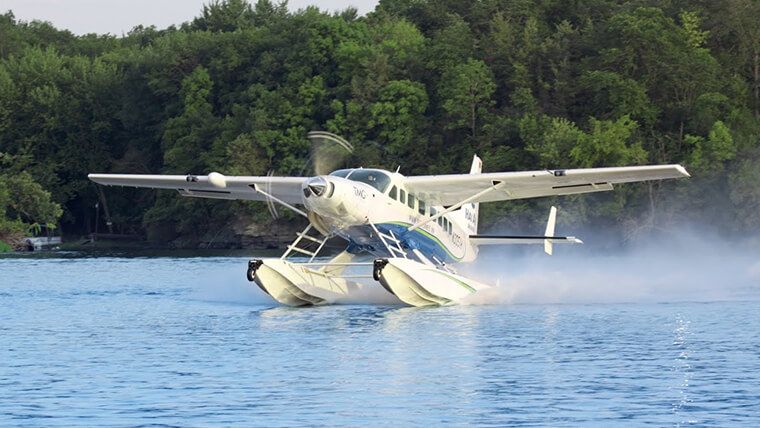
(687, 270)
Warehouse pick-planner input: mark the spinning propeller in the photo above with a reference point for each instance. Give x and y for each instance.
(328, 152)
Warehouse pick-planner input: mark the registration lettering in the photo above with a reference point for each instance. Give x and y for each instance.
(469, 215)
(360, 192)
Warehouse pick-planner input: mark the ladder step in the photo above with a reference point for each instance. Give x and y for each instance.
(294, 248)
(390, 238)
(310, 238)
(397, 251)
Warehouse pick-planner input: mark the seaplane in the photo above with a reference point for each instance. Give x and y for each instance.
(408, 234)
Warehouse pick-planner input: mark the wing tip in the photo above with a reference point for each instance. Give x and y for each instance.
(94, 177)
(682, 171)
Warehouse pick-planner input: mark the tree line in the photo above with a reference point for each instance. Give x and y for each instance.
(420, 84)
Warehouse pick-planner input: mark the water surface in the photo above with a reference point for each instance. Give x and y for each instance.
(166, 341)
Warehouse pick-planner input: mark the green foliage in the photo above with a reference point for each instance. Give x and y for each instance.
(24, 204)
(423, 84)
(187, 138)
(614, 96)
(466, 90)
(691, 24)
(225, 15)
(399, 114)
(710, 154)
(27, 200)
(559, 142)
(608, 144)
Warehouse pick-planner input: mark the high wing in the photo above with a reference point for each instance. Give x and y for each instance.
(497, 186)
(214, 185)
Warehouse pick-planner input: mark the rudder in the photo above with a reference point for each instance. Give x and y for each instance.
(471, 210)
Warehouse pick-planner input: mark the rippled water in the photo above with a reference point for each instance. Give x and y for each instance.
(189, 342)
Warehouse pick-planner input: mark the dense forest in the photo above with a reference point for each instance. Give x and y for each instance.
(420, 84)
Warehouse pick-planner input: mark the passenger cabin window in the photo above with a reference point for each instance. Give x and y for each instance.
(402, 197)
(421, 207)
(411, 201)
(440, 221)
(393, 192)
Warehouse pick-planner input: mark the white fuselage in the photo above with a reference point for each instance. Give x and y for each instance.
(350, 205)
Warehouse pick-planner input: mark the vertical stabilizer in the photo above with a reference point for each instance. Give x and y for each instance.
(471, 210)
(550, 230)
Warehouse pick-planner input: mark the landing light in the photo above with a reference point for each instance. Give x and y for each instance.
(217, 180)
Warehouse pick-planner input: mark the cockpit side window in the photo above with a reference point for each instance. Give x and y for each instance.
(402, 197)
(374, 177)
(393, 192)
(421, 207)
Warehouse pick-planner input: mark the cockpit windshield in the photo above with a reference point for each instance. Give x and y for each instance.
(374, 177)
(341, 173)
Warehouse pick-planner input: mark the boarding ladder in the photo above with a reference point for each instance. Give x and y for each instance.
(394, 247)
(304, 243)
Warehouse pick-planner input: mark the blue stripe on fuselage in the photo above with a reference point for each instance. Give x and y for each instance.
(425, 242)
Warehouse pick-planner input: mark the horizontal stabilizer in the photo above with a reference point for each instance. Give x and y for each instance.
(509, 239)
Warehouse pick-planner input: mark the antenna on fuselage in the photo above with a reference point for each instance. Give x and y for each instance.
(398, 168)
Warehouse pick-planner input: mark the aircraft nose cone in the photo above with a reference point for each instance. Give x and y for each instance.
(317, 186)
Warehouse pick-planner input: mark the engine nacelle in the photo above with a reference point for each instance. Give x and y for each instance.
(337, 202)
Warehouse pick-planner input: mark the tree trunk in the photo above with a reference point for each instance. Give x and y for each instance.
(472, 108)
(102, 198)
(757, 83)
(654, 196)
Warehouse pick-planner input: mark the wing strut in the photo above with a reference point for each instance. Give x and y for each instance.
(279, 201)
(496, 185)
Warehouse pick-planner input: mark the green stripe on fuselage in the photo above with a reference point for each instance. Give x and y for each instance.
(470, 289)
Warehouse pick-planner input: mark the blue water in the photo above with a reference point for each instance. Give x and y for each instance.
(112, 341)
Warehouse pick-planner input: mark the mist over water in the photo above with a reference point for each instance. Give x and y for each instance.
(681, 267)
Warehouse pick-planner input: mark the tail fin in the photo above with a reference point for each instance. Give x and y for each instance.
(471, 210)
(550, 230)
